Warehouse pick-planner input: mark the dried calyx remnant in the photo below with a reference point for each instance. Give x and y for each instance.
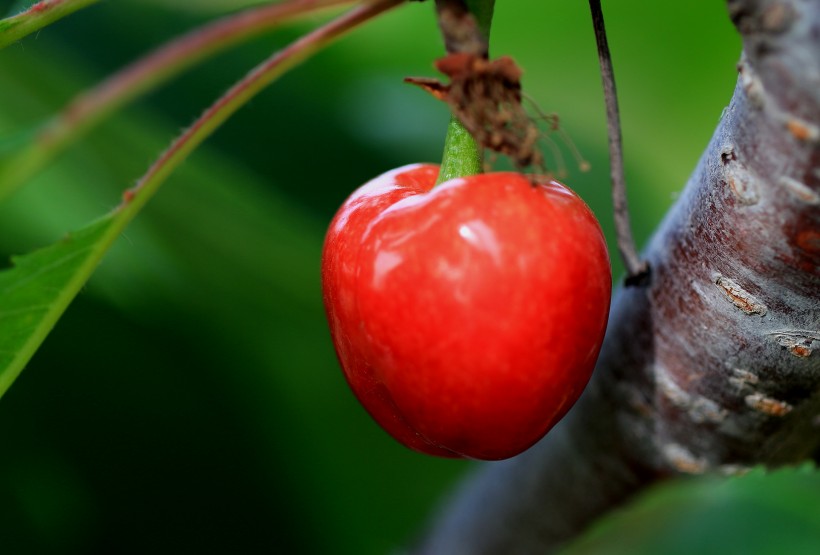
(485, 95)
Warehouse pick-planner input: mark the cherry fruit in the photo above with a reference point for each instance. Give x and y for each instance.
(467, 317)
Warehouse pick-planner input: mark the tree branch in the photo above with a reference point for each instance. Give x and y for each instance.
(711, 367)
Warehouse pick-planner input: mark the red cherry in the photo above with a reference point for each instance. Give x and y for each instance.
(467, 317)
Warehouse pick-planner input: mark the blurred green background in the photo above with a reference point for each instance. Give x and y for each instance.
(190, 400)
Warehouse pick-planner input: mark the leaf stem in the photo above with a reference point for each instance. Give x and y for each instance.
(36, 17)
(78, 256)
(636, 268)
(238, 95)
(143, 75)
(465, 25)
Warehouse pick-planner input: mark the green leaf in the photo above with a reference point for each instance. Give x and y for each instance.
(760, 513)
(38, 289)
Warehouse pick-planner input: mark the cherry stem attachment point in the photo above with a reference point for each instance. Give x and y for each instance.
(465, 26)
(637, 269)
(462, 154)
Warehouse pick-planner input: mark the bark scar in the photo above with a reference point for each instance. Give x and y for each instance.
(797, 342)
(799, 190)
(768, 405)
(743, 379)
(699, 408)
(802, 130)
(739, 297)
(741, 182)
(684, 460)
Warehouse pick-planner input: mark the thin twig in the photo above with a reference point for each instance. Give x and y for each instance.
(36, 17)
(460, 28)
(143, 75)
(245, 89)
(637, 269)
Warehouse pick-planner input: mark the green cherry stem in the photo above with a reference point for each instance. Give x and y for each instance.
(462, 154)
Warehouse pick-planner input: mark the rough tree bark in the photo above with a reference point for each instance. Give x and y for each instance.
(709, 368)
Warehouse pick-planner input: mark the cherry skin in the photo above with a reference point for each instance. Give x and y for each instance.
(468, 317)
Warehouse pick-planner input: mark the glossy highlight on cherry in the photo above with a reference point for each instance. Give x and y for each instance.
(467, 317)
